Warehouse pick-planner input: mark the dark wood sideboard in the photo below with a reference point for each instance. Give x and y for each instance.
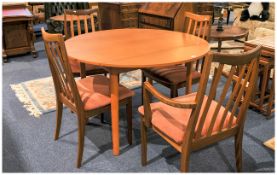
(118, 15)
(18, 33)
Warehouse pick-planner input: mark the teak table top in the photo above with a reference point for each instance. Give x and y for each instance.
(229, 33)
(136, 48)
(125, 49)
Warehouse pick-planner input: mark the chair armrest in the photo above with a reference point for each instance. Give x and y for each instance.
(168, 101)
(149, 89)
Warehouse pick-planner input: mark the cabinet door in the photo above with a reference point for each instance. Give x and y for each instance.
(16, 34)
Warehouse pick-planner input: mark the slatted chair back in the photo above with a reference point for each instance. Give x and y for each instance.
(198, 25)
(239, 74)
(81, 18)
(65, 85)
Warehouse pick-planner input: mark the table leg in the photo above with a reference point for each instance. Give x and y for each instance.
(189, 77)
(115, 111)
(219, 46)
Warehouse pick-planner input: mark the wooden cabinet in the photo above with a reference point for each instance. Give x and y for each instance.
(18, 34)
(169, 16)
(118, 15)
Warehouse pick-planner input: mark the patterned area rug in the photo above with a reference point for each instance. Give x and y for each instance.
(38, 96)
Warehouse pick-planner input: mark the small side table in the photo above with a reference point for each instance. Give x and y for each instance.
(18, 33)
(229, 33)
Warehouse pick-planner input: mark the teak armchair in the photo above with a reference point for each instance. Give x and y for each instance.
(174, 77)
(87, 97)
(196, 120)
(84, 21)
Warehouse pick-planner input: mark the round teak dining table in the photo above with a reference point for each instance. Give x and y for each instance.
(128, 49)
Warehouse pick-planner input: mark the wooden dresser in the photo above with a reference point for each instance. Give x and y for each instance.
(169, 16)
(18, 34)
(118, 15)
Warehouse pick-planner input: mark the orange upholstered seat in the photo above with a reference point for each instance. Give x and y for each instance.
(94, 92)
(172, 74)
(172, 121)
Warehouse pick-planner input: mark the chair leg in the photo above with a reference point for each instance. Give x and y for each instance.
(238, 151)
(59, 114)
(271, 97)
(81, 135)
(143, 133)
(173, 92)
(143, 79)
(129, 121)
(102, 118)
(184, 161)
(264, 83)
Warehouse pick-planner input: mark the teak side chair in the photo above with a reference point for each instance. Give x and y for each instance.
(77, 18)
(87, 97)
(196, 120)
(174, 77)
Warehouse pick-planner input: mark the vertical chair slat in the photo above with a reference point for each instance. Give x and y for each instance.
(65, 27)
(200, 29)
(241, 91)
(189, 26)
(86, 23)
(195, 27)
(71, 26)
(212, 94)
(229, 103)
(205, 31)
(79, 25)
(220, 102)
(92, 23)
(67, 67)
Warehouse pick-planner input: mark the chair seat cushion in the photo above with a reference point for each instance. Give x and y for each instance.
(75, 66)
(94, 91)
(173, 121)
(172, 74)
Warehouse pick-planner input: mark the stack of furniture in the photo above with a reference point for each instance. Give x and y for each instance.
(170, 16)
(18, 33)
(57, 8)
(264, 98)
(118, 15)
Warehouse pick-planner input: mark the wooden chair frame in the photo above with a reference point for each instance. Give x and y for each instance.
(243, 80)
(79, 16)
(67, 92)
(198, 25)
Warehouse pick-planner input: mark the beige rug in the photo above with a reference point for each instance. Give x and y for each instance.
(38, 96)
(270, 143)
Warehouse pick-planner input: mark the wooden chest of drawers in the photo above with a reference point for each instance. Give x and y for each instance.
(118, 15)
